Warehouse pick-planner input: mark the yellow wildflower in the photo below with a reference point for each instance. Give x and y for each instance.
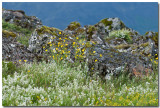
(120, 98)
(83, 50)
(25, 60)
(53, 57)
(60, 32)
(46, 50)
(59, 43)
(66, 44)
(157, 58)
(78, 50)
(96, 60)
(93, 42)
(96, 102)
(43, 46)
(74, 43)
(94, 51)
(82, 43)
(60, 38)
(80, 56)
(20, 60)
(61, 58)
(92, 68)
(151, 59)
(155, 62)
(61, 46)
(45, 99)
(69, 51)
(66, 56)
(64, 40)
(77, 38)
(38, 97)
(29, 71)
(155, 54)
(149, 55)
(50, 44)
(56, 48)
(100, 55)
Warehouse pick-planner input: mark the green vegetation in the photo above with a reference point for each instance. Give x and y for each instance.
(124, 34)
(15, 28)
(74, 25)
(8, 68)
(154, 37)
(50, 30)
(8, 33)
(24, 34)
(106, 22)
(62, 85)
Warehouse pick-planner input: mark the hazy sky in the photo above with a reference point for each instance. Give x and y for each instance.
(139, 16)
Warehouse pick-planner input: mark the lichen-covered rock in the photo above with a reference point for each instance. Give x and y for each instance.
(12, 50)
(19, 18)
(153, 36)
(40, 37)
(108, 46)
(8, 34)
(107, 60)
(110, 24)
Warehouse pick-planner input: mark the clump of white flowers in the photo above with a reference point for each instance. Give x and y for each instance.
(51, 85)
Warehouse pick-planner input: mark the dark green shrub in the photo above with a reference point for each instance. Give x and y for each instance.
(124, 34)
(8, 68)
(106, 22)
(14, 28)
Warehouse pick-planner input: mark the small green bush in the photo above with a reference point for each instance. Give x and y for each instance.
(124, 34)
(106, 22)
(8, 68)
(14, 28)
(74, 25)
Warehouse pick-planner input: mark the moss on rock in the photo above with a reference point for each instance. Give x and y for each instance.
(50, 30)
(122, 24)
(155, 38)
(74, 25)
(8, 33)
(123, 46)
(106, 22)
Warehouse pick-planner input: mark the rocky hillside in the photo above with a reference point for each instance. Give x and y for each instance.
(107, 47)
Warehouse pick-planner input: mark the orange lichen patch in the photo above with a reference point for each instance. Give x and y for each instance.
(137, 74)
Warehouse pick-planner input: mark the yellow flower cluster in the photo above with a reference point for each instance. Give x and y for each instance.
(59, 50)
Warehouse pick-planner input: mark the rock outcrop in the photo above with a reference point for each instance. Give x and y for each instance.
(107, 47)
(19, 18)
